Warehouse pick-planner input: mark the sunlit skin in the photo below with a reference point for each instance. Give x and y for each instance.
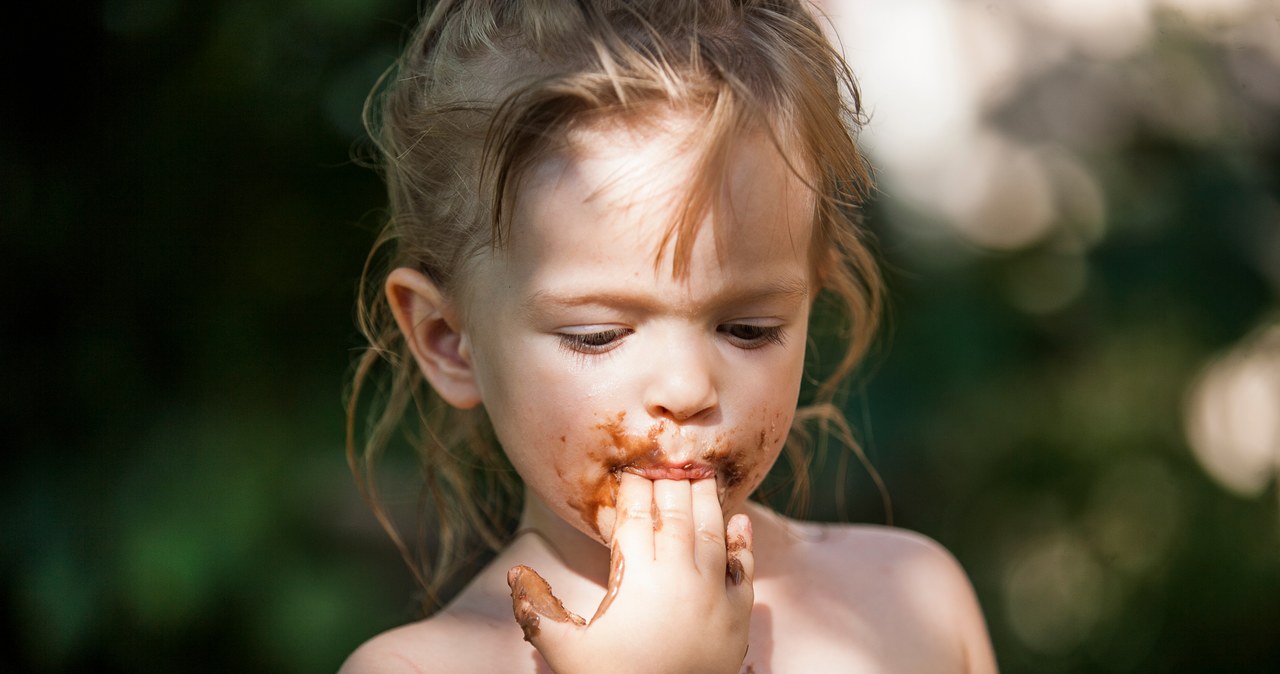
(592, 359)
(641, 409)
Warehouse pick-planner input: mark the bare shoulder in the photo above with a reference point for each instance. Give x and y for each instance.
(859, 558)
(474, 633)
(456, 641)
(884, 550)
(396, 650)
(909, 582)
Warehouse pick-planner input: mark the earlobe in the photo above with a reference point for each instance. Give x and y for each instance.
(440, 346)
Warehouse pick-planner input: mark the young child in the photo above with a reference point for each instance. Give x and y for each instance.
(611, 221)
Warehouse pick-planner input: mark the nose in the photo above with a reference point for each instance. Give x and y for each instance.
(682, 384)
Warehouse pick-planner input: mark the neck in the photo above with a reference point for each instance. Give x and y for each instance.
(582, 555)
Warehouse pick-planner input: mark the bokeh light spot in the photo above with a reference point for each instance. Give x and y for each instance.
(1054, 593)
(1233, 414)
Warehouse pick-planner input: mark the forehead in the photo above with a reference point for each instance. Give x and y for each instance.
(673, 185)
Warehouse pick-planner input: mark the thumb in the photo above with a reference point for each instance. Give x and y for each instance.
(531, 601)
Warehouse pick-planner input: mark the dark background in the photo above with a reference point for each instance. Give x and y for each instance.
(183, 226)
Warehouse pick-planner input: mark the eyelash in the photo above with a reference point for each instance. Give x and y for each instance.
(594, 343)
(590, 343)
(762, 335)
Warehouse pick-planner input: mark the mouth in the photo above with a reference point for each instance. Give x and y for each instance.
(734, 465)
(666, 471)
(651, 457)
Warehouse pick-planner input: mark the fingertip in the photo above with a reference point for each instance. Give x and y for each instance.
(740, 560)
(626, 479)
(635, 493)
(739, 528)
(513, 576)
(521, 608)
(634, 517)
(531, 591)
(706, 486)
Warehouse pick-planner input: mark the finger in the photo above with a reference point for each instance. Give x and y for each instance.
(546, 623)
(633, 529)
(617, 569)
(708, 524)
(740, 566)
(673, 521)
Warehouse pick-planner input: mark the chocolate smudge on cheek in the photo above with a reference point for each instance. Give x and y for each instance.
(595, 492)
(617, 566)
(732, 465)
(531, 599)
(744, 465)
(739, 466)
(599, 490)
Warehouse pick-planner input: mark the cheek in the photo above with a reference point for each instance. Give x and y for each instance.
(744, 462)
(761, 433)
(543, 414)
(592, 502)
(593, 472)
(588, 487)
(568, 450)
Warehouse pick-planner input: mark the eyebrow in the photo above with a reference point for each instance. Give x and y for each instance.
(781, 289)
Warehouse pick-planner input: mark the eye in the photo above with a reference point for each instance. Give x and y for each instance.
(593, 342)
(748, 336)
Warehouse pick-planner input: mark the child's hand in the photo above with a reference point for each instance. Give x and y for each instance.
(679, 596)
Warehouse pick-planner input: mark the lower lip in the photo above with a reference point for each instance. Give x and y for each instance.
(666, 473)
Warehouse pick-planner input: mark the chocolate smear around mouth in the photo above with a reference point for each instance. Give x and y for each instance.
(622, 450)
(531, 599)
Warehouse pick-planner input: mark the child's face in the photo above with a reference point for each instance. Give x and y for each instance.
(591, 359)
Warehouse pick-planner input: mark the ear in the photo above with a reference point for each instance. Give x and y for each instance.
(429, 323)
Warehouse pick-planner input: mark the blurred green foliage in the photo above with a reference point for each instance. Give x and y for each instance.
(183, 229)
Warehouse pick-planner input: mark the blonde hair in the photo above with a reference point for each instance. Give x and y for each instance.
(486, 88)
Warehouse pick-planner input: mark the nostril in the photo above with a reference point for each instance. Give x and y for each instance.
(681, 414)
(681, 393)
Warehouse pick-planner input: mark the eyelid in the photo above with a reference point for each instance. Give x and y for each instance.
(765, 335)
(592, 339)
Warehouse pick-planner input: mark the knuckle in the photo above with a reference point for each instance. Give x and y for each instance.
(675, 515)
(635, 512)
(711, 537)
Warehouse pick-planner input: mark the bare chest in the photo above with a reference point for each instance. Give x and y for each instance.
(782, 642)
(816, 632)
